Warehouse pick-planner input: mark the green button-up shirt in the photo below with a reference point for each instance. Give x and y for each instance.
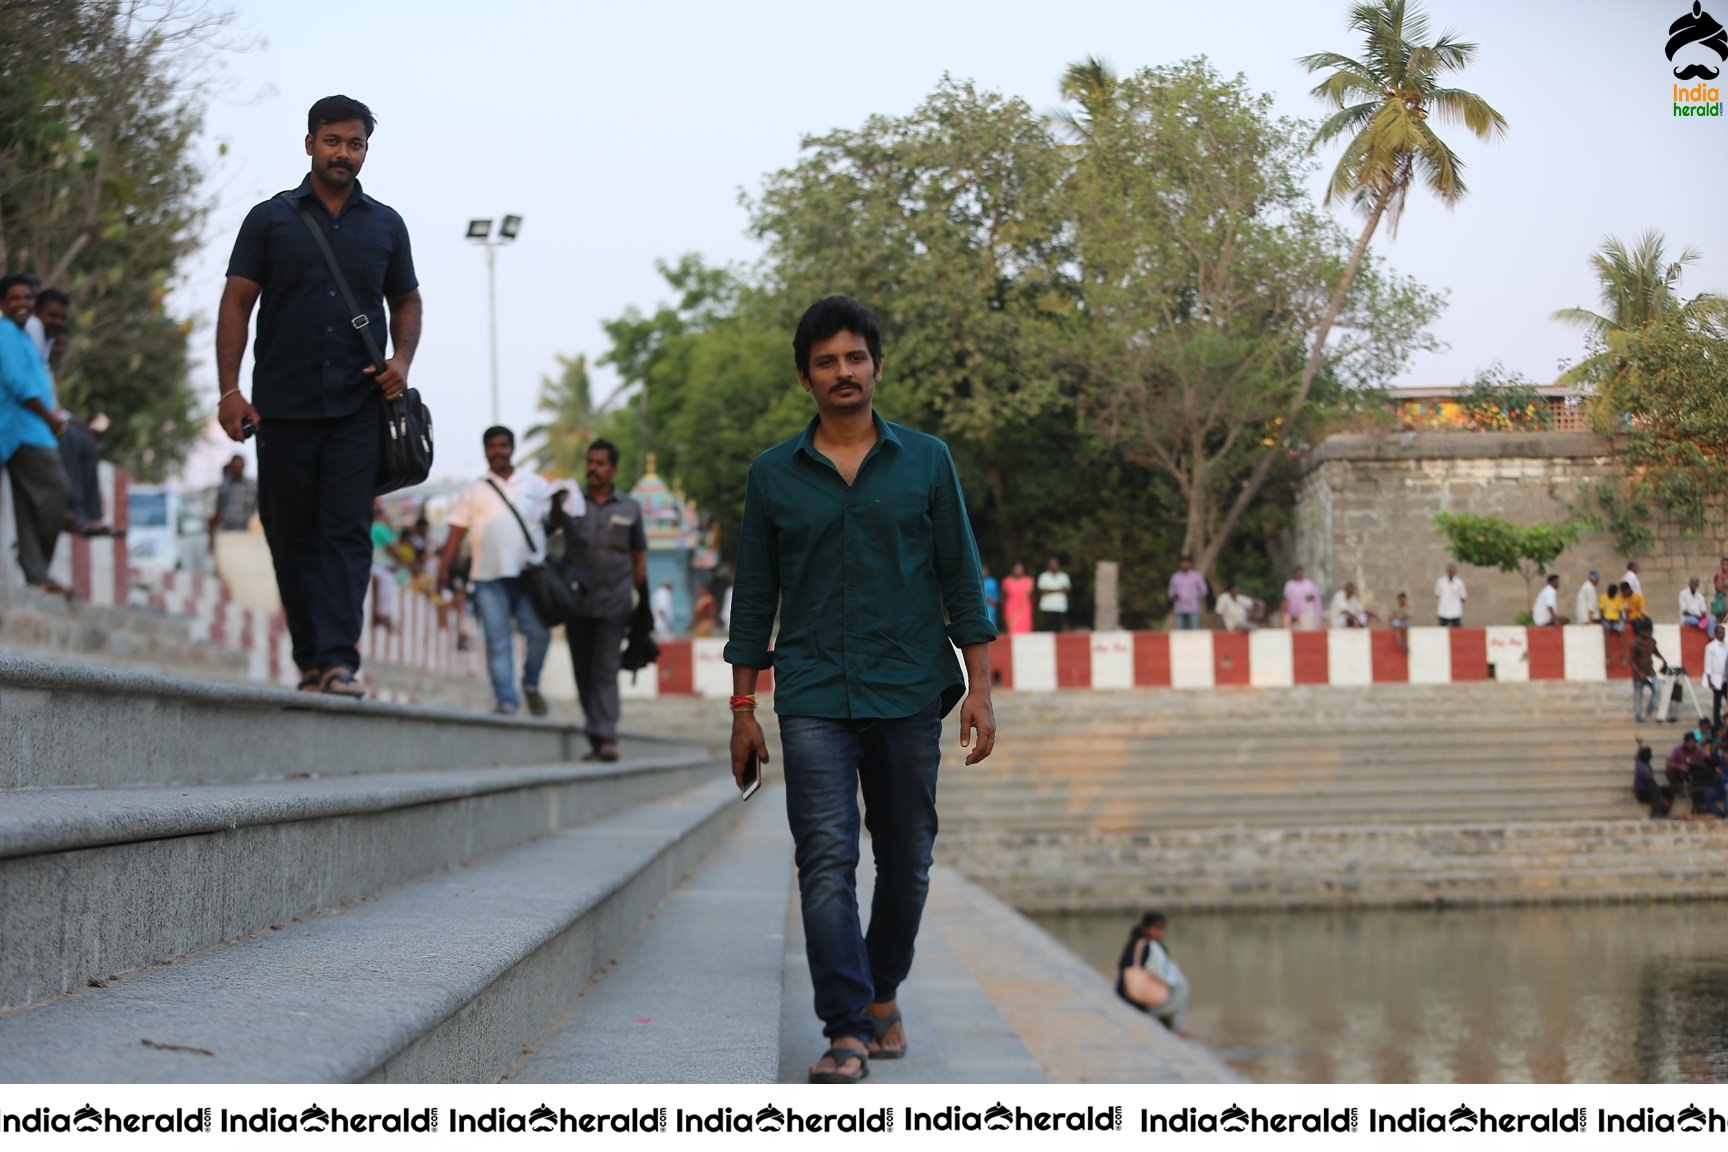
(875, 583)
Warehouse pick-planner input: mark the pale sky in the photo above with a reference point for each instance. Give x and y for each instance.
(624, 133)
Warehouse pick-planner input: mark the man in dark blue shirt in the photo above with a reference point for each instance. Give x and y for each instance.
(855, 532)
(314, 387)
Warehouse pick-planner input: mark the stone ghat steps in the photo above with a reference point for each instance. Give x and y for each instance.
(66, 725)
(1342, 810)
(1104, 762)
(95, 883)
(1603, 860)
(446, 979)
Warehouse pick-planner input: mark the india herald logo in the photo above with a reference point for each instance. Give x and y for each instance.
(1699, 28)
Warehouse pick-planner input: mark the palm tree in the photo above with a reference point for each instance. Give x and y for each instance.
(1384, 104)
(1091, 84)
(564, 439)
(1638, 290)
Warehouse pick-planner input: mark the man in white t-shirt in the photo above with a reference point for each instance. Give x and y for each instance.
(1631, 577)
(1053, 589)
(1694, 612)
(1450, 593)
(502, 546)
(1545, 613)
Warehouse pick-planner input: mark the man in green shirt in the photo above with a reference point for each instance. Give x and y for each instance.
(855, 531)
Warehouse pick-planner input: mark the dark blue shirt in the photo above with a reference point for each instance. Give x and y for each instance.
(874, 583)
(309, 360)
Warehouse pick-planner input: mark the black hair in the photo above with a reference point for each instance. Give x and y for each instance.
(498, 430)
(335, 110)
(605, 446)
(16, 279)
(1644, 753)
(829, 317)
(1134, 936)
(52, 296)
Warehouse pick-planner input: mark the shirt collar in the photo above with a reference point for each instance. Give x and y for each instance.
(305, 189)
(885, 434)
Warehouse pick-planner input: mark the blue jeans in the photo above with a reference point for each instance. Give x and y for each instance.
(894, 763)
(1639, 686)
(1187, 621)
(498, 602)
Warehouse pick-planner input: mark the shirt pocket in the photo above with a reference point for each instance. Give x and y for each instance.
(615, 537)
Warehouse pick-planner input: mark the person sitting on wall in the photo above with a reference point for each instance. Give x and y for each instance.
(1346, 608)
(1148, 978)
(1612, 612)
(1632, 604)
(1694, 612)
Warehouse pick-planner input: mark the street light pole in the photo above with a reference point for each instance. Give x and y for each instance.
(480, 232)
(492, 326)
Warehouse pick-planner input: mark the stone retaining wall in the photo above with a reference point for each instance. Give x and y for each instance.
(1365, 505)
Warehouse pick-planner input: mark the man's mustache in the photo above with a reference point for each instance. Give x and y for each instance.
(1697, 72)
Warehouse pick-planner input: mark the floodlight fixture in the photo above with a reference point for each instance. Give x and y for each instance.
(480, 230)
(508, 229)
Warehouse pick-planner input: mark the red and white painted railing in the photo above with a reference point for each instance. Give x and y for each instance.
(1271, 658)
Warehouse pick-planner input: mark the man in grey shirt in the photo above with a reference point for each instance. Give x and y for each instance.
(609, 547)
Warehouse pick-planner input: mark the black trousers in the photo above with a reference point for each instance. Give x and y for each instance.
(80, 454)
(39, 498)
(596, 651)
(315, 484)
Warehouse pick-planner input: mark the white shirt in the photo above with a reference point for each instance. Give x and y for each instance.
(1346, 610)
(1235, 610)
(1055, 587)
(500, 550)
(1547, 606)
(1692, 603)
(1715, 664)
(1584, 606)
(1631, 578)
(1449, 590)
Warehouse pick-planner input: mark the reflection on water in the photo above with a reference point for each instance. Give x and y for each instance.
(1583, 994)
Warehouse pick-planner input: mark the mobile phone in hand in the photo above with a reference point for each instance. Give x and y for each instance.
(247, 428)
(752, 778)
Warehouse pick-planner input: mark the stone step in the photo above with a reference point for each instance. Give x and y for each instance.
(1386, 865)
(64, 725)
(1340, 812)
(444, 980)
(98, 882)
(649, 1019)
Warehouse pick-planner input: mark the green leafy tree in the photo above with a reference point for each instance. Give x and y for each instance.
(1490, 542)
(949, 224)
(1666, 413)
(1200, 254)
(100, 102)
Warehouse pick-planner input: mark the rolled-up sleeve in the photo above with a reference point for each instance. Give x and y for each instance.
(756, 584)
(957, 564)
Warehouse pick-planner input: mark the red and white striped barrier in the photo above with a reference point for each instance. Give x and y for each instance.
(1270, 658)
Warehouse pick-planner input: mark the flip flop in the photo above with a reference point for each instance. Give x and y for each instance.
(880, 1025)
(311, 681)
(339, 681)
(840, 1056)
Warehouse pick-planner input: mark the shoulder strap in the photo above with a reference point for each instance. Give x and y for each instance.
(520, 523)
(358, 319)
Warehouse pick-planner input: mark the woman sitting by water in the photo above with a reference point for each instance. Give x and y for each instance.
(1148, 978)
